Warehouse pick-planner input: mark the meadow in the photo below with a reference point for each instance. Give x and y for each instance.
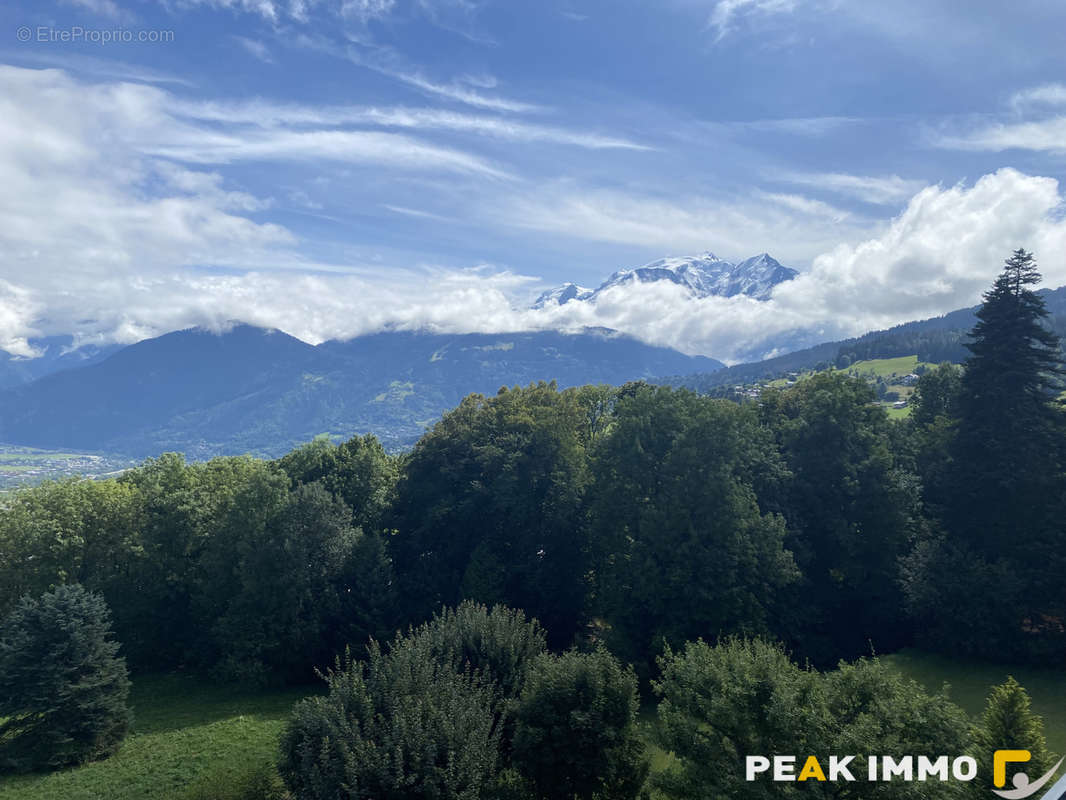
(191, 740)
(194, 740)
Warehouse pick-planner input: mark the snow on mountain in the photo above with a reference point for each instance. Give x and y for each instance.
(562, 294)
(703, 275)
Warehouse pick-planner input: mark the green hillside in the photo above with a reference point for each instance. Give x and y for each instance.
(892, 378)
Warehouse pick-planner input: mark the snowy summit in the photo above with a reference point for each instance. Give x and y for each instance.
(704, 275)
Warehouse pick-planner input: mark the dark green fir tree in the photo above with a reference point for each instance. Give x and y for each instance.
(992, 585)
(64, 687)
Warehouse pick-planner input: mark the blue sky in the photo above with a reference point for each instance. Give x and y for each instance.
(339, 166)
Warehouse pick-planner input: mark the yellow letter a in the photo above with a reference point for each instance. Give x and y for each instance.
(811, 769)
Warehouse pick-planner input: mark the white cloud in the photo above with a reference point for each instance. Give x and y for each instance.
(1042, 131)
(1046, 135)
(264, 114)
(366, 10)
(105, 8)
(17, 313)
(94, 66)
(255, 48)
(798, 228)
(454, 91)
(415, 212)
(940, 253)
(725, 13)
(372, 148)
(150, 121)
(103, 236)
(1051, 94)
(886, 190)
(389, 62)
(267, 9)
(805, 205)
(813, 127)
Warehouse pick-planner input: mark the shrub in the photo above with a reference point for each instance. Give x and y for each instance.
(746, 697)
(576, 734)
(400, 727)
(430, 716)
(1008, 723)
(500, 643)
(65, 688)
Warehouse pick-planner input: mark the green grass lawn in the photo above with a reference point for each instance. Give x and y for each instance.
(189, 739)
(970, 682)
(885, 367)
(898, 413)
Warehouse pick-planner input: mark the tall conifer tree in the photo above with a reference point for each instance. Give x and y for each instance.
(1007, 489)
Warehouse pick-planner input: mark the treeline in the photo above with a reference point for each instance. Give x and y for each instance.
(931, 346)
(632, 521)
(639, 517)
(246, 568)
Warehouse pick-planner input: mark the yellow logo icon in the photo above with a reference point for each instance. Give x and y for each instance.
(1023, 786)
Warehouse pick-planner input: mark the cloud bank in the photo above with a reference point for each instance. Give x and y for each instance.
(116, 224)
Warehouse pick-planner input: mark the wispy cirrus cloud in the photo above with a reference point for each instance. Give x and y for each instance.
(384, 60)
(726, 13)
(878, 190)
(256, 48)
(800, 126)
(1034, 121)
(105, 8)
(94, 66)
(373, 148)
(266, 115)
(459, 92)
(1046, 135)
(365, 10)
(798, 225)
(270, 10)
(1050, 94)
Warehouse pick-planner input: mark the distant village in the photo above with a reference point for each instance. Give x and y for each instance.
(22, 466)
(893, 391)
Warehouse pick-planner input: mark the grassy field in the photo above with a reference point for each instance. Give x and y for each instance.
(190, 741)
(970, 681)
(897, 413)
(195, 741)
(885, 367)
(888, 369)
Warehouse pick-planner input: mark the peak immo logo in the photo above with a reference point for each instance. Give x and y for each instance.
(1024, 786)
(909, 768)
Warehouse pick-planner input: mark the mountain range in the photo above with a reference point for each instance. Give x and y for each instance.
(262, 391)
(703, 275)
(53, 354)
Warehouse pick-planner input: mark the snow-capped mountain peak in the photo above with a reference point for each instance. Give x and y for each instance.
(703, 275)
(562, 294)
